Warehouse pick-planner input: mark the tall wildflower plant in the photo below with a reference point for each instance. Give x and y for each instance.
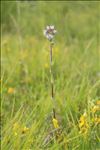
(49, 33)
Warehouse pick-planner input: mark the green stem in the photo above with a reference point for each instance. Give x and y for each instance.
(52, 81)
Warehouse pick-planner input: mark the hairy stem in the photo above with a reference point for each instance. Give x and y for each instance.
(52, 80)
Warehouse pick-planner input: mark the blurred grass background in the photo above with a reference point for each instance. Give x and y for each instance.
(68, 17)
(25, 67)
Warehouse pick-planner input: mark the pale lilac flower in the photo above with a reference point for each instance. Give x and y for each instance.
(49, 32)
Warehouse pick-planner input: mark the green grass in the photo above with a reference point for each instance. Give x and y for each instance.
(25, 68)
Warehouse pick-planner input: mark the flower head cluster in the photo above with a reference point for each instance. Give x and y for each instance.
(96, 120)
(83, 124)
(96, 107)
(95, 110)
(49, 32)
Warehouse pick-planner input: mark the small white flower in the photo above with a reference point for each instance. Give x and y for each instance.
(49, 32)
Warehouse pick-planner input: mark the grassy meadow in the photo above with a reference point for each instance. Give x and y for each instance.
(26, 105)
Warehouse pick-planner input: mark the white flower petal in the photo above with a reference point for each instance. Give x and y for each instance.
(52, 27)
(48, 27)
(54, 31)
(50, 36)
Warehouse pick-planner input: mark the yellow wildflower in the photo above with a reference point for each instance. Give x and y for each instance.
(11, 90)
(95, 108)
(16, 128)
(82, 121)
(96, 120)
(83, 124)
(84, 130)
(55, 123)
(25, 129)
